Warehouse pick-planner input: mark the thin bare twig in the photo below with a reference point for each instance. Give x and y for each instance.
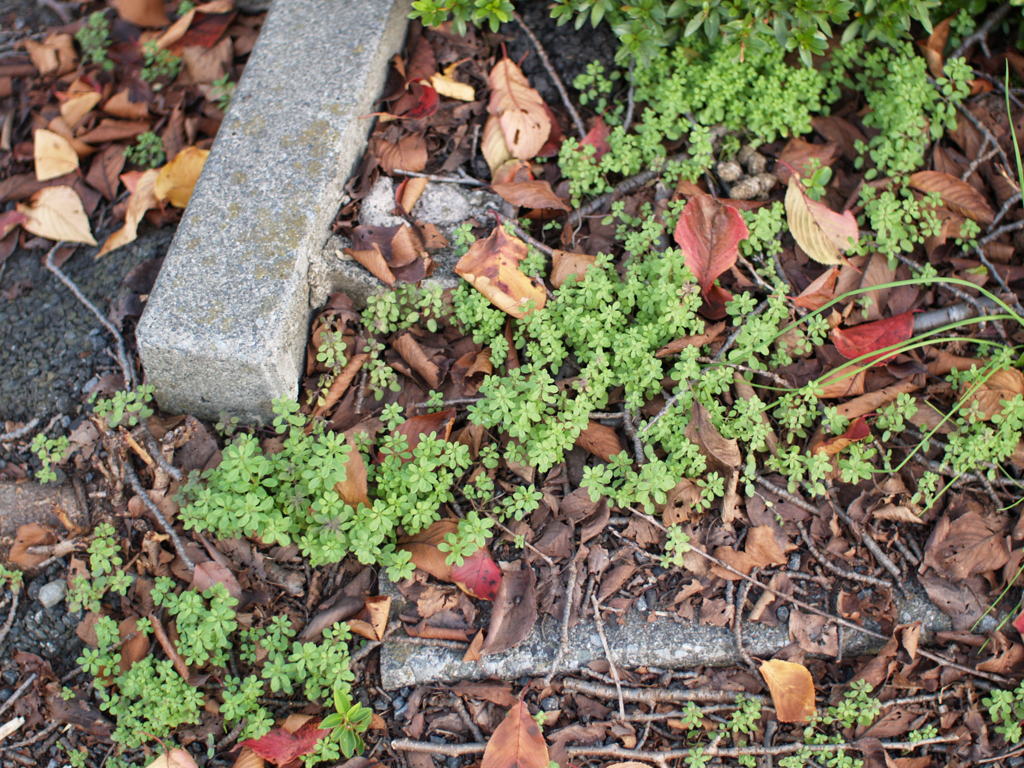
(652, 696)
(662, 757)
(143, 494)
(624, 187)
(737, 625)
(122, 354)
(466, 181)
(22, 431)
(158, 455)
(10, 619)
(980, 35)
(568, 602)
(838, 570)
(18, 693)
(599, 623)
(581, 127)
(937, 658)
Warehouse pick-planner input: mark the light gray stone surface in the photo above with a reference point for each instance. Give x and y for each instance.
(226, 323)
(635, 642)
(52, 593)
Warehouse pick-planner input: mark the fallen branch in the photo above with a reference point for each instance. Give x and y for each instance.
(653, 696)
(20, 432)
(599, 623)
(662, 757)
(143, 494)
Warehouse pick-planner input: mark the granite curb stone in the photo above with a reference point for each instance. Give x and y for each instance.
(225, 326)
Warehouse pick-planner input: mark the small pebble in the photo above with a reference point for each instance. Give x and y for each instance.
(549, 704)
(52, 593)
(729, 171)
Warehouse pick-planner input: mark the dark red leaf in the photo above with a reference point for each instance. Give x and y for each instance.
(280, 747)
(868, 337)
(206, 29)
(1018, 623)
(426, 102)
(597, 137)
(478, 575)
(709, 234)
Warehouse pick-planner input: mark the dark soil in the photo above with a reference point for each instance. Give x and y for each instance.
(53, 349)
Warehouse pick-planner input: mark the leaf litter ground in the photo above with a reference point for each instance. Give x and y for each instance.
(778, 556)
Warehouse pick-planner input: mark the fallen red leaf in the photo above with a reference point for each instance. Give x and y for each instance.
(709, 234)
(281, 747)
(478, 576)
(426, 102)
(597, 137)
(868, 337)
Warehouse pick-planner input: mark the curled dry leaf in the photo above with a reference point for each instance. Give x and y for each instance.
(248, 759)
(143, 197)
(29, 535)
(176, 180)
(446, 84)
(174, 758)
(56, 213)
(517, 742)
(822, 233)
(858, 430)
(1002, 385)
(491, 265)
(54, 56)
(74, 108)
(409, 153)
(9, 220)
(567, 264)
(957, 195)
(493, 146)
(792, 690)
(53, 154)
(211, 572)
(820, 291)
(524, 121)
(372, 621)
(141, 13)
(600, 440)
(531, 194)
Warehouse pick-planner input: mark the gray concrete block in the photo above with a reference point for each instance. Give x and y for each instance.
(226, 323)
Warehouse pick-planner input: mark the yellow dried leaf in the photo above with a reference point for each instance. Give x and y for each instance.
(176, 180)
(446, 85)
(56, 213)
(792, 689)
(822, 233)
(491, 266)
(174, 758)
(78, 106)
(54, 155)
(141, 200)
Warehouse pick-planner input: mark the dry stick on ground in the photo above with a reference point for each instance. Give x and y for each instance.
(10, 619)
(460, 708)
(526, 544)
(20, 432)
(142, 493)
(976, 302)
(980, 35)
(663, 757)
(466, 181)
(18, 693)
(864, 537)
(581, 127)
(168, 646)
(652, 696)
(567, 603)
(937, 658)
(122, 354)
(624, 187)
(158, 455)
(1010, 202)
(599, 623)
(737, 625)
(838, 570)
